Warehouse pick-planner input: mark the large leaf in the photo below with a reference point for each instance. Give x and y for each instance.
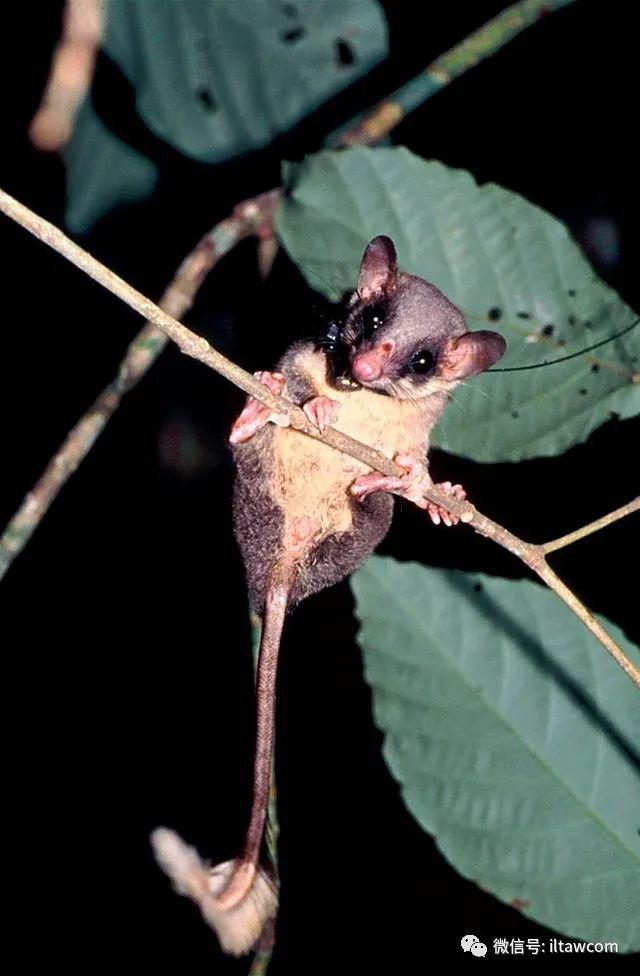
(506, 263)
(512, 733)
(102, 171)
(217, 78)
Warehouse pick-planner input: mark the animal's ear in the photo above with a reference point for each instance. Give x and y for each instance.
(470, 354)
(379, 268)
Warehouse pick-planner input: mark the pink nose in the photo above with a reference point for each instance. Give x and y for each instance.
(367, 366)
(370, 365)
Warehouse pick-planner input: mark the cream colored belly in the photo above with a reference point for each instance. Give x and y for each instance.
(312, 480)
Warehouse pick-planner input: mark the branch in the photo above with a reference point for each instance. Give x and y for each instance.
(378, 123)
(198, 348)
(246, 219)
(70, 76)
(601, 523)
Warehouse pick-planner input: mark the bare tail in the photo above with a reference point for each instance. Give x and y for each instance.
(238, 898)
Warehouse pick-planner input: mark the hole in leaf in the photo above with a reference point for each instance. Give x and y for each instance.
(583, 391)
(344, 53)
(523, 315)
(494, 314)
(477, 587)
(291, 36)
(207, 99)
(595, 368)
(549, 329)
(571, 293)
(571, 320)
(588, 324)
(515, 414)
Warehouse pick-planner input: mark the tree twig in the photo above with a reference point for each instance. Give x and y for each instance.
(586, 530)
(374, 125)
(71, 74)
(198, 348)
(247, 218)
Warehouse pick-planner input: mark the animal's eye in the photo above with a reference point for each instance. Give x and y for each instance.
(372, 319)
(422, 361)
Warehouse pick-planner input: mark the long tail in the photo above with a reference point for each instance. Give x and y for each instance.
(238, 898)
(273, 621)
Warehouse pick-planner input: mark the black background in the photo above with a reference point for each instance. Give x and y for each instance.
(127, 661)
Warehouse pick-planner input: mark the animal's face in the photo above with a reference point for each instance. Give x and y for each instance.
(401, 336)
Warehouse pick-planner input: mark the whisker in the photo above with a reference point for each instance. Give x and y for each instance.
(489, 396)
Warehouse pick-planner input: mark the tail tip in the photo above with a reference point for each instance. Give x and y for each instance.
(238, 926)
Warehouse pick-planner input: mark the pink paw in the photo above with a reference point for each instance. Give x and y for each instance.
(321, 411)
(255, 415)
(410, 486)
(436, 512)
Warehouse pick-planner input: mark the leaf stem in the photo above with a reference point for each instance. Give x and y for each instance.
(198, 348)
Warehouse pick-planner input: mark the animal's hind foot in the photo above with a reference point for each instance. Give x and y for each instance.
(411, 486)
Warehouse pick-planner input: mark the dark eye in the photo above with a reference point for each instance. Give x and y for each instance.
(421, 361)
(372, 318)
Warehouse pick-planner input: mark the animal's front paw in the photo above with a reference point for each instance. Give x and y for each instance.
(321, 411)
(254, 414)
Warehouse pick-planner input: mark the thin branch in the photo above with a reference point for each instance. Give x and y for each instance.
(601, 523)
(72, 67)
(198, 348)
(482, 43)
(248, 218)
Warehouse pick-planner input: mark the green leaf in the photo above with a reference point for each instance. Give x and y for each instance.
(511, 732)
(499, 258)
(218, 78)
(102, 171)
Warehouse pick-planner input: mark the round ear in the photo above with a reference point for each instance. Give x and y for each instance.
(379, 267)
(471, 354)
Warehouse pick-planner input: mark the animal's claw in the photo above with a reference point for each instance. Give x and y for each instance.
(321, 411)
(439, 514)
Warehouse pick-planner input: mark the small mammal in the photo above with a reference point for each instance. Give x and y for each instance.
(306, 515)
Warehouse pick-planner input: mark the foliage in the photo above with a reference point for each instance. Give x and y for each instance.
(512, 736)
(505, 262)
(197, 90)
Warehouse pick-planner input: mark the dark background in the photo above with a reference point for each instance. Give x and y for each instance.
(127, 659)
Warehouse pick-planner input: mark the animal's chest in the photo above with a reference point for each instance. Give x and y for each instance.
(313, 480)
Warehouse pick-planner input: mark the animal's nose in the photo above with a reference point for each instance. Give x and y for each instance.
(368, 366)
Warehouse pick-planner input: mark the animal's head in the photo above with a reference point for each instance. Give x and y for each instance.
(402, 336)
